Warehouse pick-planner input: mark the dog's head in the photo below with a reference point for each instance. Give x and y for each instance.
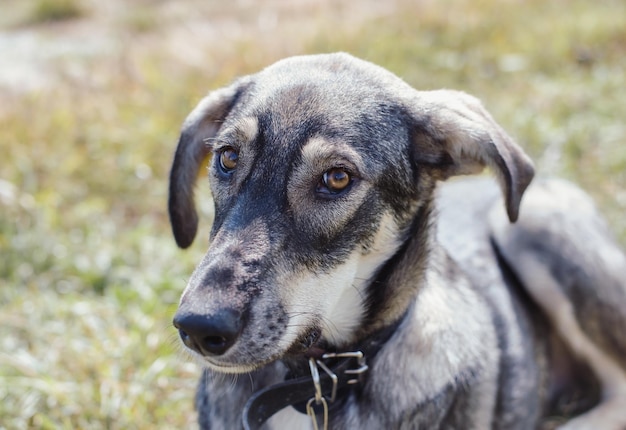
(318, 167)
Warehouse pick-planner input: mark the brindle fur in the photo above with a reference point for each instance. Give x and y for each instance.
(477, 346)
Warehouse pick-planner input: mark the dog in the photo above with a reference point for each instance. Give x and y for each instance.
(352, 283)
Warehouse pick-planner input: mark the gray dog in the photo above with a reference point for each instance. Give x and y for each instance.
(355, 293)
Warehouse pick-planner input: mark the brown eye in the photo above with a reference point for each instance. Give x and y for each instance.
(228, 159)
(334, 181)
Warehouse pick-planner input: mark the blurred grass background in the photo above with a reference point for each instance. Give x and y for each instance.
(92, 95)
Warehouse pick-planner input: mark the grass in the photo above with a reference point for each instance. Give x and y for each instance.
(89, 273)
(55, 10)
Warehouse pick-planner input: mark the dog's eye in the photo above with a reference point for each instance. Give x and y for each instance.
(228, 159)
(334, 181)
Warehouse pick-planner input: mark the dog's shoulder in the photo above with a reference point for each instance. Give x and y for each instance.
(447, 345)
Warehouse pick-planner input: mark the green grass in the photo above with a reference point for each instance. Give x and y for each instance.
(89, 273)
(55, 10)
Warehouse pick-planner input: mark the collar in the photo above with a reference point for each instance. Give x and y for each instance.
(331, 379)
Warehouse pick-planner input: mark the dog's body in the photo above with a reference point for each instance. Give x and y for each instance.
(329, 235)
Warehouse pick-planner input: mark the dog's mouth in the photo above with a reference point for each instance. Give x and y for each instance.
(228, 368)
(308, 345)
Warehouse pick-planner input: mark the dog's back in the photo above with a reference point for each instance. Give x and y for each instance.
(577, 269)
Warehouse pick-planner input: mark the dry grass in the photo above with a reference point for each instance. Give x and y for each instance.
(89, 275)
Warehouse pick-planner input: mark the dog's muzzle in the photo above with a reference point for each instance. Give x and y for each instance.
(209, 335)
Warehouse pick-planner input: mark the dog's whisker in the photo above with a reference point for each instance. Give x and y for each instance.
(234, 380)
(298, 326)
(173, 340)
(252, 384)
(359, 291)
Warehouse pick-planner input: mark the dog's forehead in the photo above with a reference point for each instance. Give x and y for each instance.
(333, 85)
(335, 96)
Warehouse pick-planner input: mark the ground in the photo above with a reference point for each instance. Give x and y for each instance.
(92, 95)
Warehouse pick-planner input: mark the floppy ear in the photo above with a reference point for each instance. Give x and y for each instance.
(457, 136)
(192, 152)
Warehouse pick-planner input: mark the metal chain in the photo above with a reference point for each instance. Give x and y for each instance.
(319, 399)
(311, 413)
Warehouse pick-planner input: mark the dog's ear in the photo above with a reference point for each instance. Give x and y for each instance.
(193, 151)
(456, 135)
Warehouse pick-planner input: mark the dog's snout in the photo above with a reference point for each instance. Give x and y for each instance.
(209, 334)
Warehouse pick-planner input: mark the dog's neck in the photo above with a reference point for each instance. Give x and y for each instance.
(398, 282)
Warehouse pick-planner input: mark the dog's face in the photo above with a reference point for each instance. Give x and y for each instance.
(318, 167)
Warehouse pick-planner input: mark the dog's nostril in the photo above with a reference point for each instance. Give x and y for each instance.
(214, 342)
(184, 337)
(209, 334)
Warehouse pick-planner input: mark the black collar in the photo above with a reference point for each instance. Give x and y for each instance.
(339, 373)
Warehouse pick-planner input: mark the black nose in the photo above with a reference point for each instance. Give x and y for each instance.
(209, 334)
